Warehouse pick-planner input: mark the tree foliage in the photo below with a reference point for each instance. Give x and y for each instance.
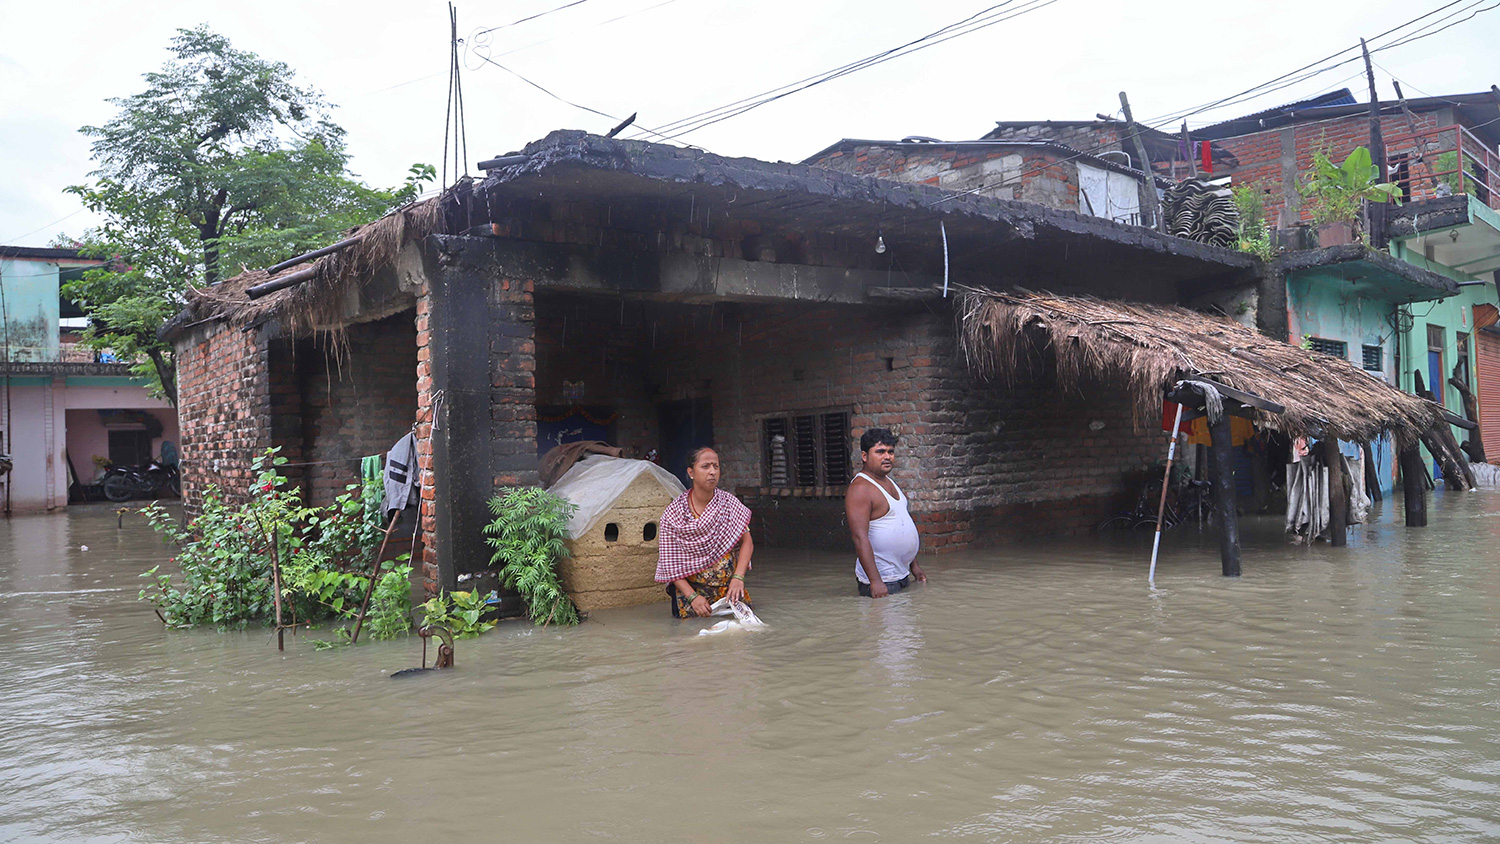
(223, 162)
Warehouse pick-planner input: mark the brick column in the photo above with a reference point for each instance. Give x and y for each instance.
(477, 352)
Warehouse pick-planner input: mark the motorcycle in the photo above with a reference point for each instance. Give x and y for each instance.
(122, 483)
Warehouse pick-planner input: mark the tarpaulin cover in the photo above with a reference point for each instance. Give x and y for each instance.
(593, 484)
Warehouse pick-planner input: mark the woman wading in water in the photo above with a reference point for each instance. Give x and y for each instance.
(704, 547)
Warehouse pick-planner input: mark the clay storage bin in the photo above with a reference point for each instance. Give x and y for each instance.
(613, 534)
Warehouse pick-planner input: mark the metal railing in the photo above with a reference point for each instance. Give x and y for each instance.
(1444, 161)
(63, 353)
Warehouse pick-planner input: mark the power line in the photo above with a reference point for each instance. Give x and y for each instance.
(48, 226)
(480, 40)
(562, 99)
(1180, 115)
(534, 17)
(983, 19)
(1239, 97)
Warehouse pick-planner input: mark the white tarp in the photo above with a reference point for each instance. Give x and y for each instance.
(594, 482)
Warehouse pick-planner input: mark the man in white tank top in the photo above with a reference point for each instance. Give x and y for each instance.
(885, 537)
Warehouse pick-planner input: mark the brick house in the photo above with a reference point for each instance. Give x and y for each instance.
(1442, 151)
(662, 298)
(1273, 148)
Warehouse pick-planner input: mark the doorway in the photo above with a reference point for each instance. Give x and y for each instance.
(685, 425)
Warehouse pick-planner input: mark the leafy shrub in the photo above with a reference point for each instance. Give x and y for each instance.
(528, 535)
(390, 607)
(225, 555)
(460, 612)
(1254, 233)
(1337, 190)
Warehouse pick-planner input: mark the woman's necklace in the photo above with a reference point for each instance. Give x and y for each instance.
(693, 507)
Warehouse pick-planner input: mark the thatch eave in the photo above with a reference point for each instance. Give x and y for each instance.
(1147, 348)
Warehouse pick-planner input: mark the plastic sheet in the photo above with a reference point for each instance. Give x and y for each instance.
(595, 482)
(744, 618)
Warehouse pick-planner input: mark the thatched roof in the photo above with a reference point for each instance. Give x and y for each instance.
(317, 302)
(1147, 348)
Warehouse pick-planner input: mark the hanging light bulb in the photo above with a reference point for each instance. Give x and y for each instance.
(879, 244)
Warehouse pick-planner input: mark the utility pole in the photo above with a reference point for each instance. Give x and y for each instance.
(1150, 210)
(1377, 142)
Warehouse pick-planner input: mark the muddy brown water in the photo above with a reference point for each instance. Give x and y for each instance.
(1033, 693)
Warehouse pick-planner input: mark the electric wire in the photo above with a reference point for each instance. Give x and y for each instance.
(568, 5)
(481, 40)
(983, 19)
(1159, 123)
(1233, 98)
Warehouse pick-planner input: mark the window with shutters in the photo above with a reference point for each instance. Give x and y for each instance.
(807, 449)
(1336, 348)
(1373, 358)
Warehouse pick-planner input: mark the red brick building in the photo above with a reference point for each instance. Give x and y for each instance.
(1273, 149)
(662, 298)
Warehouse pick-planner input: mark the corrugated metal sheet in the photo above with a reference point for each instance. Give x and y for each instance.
(1487, 370)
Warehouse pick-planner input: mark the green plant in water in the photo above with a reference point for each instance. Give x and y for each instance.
(390, 606)
(528, 534)
(224, 556)
(460, 612)
(1337, 190)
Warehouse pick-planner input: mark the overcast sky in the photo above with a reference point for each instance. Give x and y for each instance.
(384, 63)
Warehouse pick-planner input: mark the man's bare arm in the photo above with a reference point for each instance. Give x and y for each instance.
(857, 508)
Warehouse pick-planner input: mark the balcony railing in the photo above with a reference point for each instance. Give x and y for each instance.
(1444, 161)
(63, 353)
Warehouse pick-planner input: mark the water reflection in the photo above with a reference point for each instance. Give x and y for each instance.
(1036, 693)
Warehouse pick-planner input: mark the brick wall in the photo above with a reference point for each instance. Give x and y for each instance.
(225, 409)
(1020, 173)
(357, 397)
(1260, 156)
(983, 462)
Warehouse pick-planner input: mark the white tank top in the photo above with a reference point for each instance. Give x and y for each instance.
(893, 538)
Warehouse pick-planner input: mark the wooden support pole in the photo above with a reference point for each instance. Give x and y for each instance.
(1338, 497)
(1377, 141)
(1372, 483)
(1224, 504)
(1414, 485)
(1187, 147)
(1151, 208)
(364, 606)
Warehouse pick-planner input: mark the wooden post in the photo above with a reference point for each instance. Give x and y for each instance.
(1338, 498)
(1377, 141)
(1150, 209)
(1187, 145)
(1372, 483)
(1414, 485)
(1224, 504)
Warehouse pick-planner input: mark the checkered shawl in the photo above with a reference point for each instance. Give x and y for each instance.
(689, 545)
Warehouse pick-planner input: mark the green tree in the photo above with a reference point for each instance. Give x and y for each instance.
(222, 162)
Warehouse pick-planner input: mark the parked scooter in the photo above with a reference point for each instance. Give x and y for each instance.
(153, 480)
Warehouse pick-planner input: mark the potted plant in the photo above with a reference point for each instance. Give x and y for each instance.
(1338, 191)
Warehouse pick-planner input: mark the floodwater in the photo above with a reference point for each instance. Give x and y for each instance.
(1036, 693)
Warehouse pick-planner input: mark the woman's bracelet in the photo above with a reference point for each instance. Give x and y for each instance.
(690, 597)
(738, 577)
